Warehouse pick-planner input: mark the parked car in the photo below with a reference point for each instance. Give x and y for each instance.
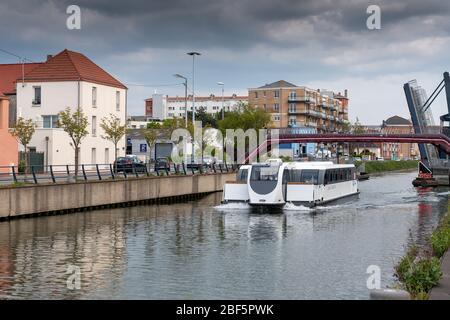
(380, 158)
(128, 163)
(209, 160)
(162, 163)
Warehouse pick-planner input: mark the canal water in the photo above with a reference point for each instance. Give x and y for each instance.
(204, 250)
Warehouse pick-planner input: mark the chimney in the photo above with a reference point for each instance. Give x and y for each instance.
(49, 56)
(345, 93)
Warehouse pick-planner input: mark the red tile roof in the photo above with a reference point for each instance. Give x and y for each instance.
(11, 72)
(72, 66)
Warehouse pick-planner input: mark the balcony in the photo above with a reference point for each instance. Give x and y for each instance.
(301, 99)
(308, 112)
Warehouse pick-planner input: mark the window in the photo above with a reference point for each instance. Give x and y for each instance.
(292, 121)
(265, 173)
(256, 94)
(94, 97)
(49, 122)
(94, 126)
(117, 100)
(310, 176)
(276, 118)
(276, 107)
(292, 95)
(277, 93)
(37, 96)
(107, 155)
(94, 156)
(292, 107)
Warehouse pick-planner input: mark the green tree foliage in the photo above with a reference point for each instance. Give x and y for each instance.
(245, 118)
(114, 131)
(75, 125)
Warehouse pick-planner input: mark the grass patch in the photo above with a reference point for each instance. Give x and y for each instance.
(388, 165)
(440, 239)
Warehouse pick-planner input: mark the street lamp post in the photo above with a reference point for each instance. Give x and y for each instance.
(185, 97)
(193, 54)
(223, 86)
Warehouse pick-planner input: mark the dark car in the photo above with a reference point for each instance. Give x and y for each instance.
(162, 163)
(128, 164)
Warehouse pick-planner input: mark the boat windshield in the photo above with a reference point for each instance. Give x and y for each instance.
(265, 173)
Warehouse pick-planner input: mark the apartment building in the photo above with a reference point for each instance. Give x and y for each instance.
(70, 79)
(161, 107)
(298, 106)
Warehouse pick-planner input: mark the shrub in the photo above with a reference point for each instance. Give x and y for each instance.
(419, 275)
(22, 165)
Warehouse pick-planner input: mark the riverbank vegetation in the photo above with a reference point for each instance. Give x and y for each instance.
(420, 270)
(388, 165)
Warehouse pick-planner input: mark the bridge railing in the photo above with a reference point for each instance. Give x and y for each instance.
(87, 172)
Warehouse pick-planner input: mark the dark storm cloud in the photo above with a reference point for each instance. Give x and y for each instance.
(244, 43)
(224, 23)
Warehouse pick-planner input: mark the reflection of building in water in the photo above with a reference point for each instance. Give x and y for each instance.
(95, 244)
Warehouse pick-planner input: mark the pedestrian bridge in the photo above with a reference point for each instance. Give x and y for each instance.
(439, 140)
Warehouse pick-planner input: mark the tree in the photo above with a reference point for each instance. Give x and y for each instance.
(245, 117)
(114, 131)
(151, 134)
(23, 131)
(75, 125)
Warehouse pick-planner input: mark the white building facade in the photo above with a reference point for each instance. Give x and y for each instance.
(42, 100)
(163, 107)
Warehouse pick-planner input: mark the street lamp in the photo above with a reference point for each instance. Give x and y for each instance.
(223, 86)
(185, 97)
(193, 54)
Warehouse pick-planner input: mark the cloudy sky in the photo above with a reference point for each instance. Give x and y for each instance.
(246, 43)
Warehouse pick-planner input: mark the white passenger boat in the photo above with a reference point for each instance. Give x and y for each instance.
(302, 183)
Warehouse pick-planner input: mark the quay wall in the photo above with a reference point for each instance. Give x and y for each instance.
(69, 197)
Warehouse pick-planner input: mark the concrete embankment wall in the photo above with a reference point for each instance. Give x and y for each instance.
(67, 197)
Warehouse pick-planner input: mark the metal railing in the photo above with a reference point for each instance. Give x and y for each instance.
(91, 172)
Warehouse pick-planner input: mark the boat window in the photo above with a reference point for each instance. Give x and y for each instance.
(310, 176)
(264, 173)
(242, 175)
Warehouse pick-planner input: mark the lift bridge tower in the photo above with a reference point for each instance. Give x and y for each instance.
(433, 160)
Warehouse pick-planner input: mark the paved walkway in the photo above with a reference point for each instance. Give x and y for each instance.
(442, 291)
